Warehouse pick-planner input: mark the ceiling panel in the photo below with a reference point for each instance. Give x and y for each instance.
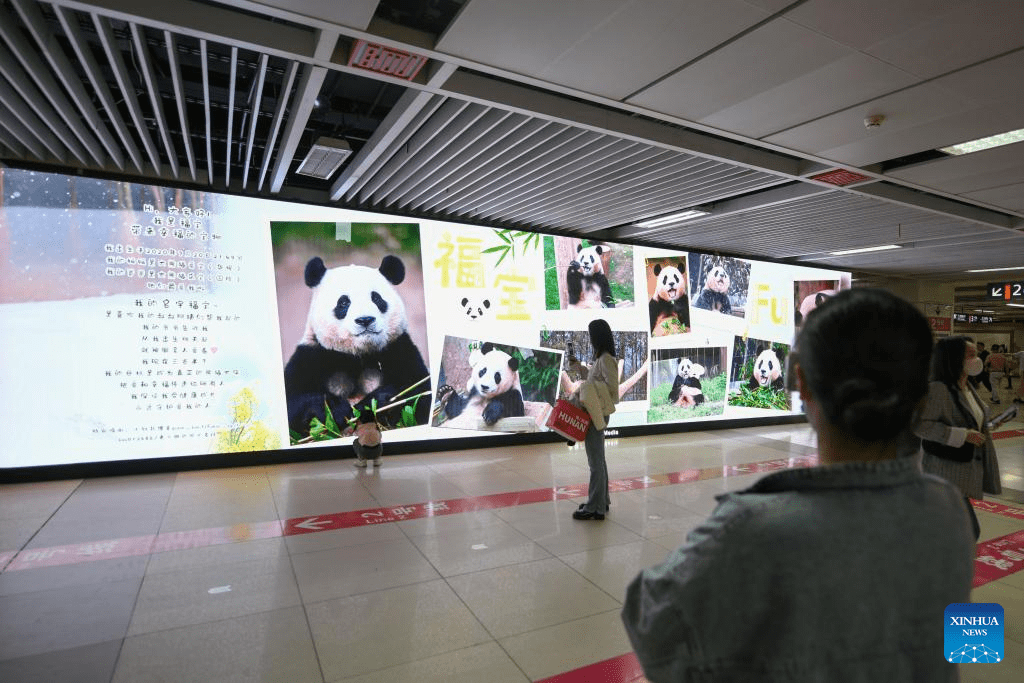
(863, 23)
(613, 48)
(835, 86)
(354, 13)
(990, 168)
(1010, 197)
(769, 56)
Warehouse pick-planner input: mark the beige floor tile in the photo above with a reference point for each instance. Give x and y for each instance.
(365, 568)
(446, 524)
(499, 480)
(1012, 600)
(553, 650)
(66, 576)
(227, 553)
(650, 516)
(525, 597)
(64, 618)
(15, 532)
(211, 593)
(391, 486)
(224, 502)
(552, 527)
(270, 647)
(1007, 671)
(85, 664)
(305, 496)
(486, 662)
(994, 526)
(341, 538)
(365, 633)
(470, 551)
(35, 499)
(613, 567)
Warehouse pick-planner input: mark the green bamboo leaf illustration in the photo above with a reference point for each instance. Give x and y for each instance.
(491, 250)
(501, 259)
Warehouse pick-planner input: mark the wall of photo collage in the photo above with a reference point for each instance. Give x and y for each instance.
(140, 322)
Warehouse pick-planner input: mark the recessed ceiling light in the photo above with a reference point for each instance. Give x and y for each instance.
(677, 217)
(992, 270)
(991, 141)
(864, 250)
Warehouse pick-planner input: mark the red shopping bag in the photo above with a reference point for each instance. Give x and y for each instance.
(568, 420)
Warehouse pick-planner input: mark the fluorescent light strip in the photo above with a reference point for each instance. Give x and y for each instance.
(991, 141)
(884, 247)
(1016, 305)
(672, 218)
(992, 270)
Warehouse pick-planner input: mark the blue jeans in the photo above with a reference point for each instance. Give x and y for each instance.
(597, 499)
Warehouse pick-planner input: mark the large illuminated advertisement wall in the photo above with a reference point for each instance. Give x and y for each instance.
(139, 321)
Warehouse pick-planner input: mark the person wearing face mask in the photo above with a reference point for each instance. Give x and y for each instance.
(953, 425)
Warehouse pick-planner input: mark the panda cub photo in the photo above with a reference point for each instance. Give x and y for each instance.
(586, 281)
(355, 348)
(493, 390)
(687, 390)
(806, 304)
(669, 307)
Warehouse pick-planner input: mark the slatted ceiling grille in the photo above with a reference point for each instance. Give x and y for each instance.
(817, 224)
(542, 175)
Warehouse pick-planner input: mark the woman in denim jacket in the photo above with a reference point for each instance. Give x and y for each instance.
(839, 572)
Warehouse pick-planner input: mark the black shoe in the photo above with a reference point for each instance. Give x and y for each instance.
(586, 514)
(583, 505)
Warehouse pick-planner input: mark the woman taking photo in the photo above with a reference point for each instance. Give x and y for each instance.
(954, 425)
(598, 395)
(839, 572)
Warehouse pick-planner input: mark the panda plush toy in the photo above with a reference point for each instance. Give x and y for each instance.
(475, 308)
(812, 301)
(586, 281)
(670, 299)
(715, 295)
(356, 344)
(687, 390)
(493, 390)
(767, 371)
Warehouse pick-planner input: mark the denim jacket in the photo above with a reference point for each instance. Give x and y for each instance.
(833, 573)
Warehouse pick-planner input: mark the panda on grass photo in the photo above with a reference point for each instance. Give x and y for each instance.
(687, 383)
(355, 354)
(485, 386)
(758, 377)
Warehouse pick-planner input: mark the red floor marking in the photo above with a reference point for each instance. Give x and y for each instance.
(6, 557)
(1008, 434)
(998, 558)
(622, 669)
(998, 508)
(143, 545)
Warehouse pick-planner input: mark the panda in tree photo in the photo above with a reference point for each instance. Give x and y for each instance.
(715, 295)
(687, 390)
(767, 371)
(356, 346)
(670, 300)
(585, 280)
(493, 390)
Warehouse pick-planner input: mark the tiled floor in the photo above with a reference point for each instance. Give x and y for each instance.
(516, 592)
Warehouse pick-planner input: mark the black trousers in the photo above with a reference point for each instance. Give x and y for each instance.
(975, 525)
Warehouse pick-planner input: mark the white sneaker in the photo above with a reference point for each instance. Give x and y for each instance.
(360, 462)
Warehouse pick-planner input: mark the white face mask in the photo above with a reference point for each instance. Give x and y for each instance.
(974, 366)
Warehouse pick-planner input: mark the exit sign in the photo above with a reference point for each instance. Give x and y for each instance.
(1006, 290)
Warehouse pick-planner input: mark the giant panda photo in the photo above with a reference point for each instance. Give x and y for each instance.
(483, 385)
(758, 375)
(687, 383)
(580, 274)
(668, 308)
(355, 350)
(719, 284)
